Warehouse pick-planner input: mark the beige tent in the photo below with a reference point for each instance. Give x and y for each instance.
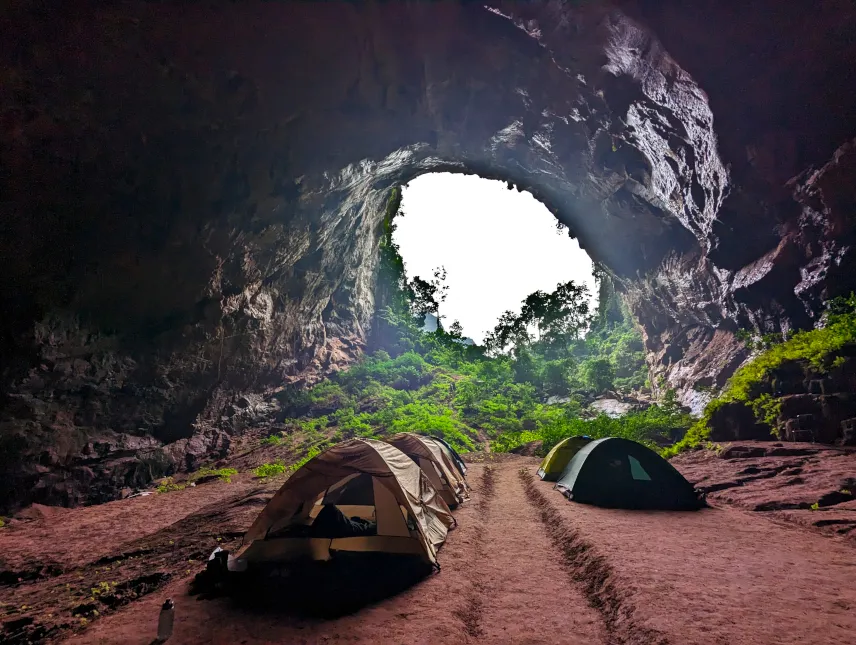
(428, 455)
(363, 483)
(449, 460)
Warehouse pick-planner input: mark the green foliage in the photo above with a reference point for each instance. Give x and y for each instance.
(511, 440)
(597, 374)
(614, 336)
(433, 383)
(549, 319)
(102, 588)
(2, 522)
(269, 470)
(749, 385)
(168, 484)
(223, 474)
(549, 351)
(310, 455)
(272, 440)
(652, 426)
(815, 506)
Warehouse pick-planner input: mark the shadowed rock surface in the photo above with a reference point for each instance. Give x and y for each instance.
(192, 195)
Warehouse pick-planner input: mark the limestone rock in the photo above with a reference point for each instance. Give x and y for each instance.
(192, 195)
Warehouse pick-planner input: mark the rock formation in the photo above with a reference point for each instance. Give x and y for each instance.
(192, 195)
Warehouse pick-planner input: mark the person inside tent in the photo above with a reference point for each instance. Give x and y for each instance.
(333, 523)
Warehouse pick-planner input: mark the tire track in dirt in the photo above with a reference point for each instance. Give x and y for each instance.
(470, 613)
(526, 598)
(591, 572)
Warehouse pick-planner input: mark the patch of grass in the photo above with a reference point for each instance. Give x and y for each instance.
(313, 452)
(168, 485)
(269, 470)
(273, 440)
(223, 474)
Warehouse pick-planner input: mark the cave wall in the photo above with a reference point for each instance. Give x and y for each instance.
(192, 198)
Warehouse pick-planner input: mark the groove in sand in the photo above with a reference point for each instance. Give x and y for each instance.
(470, 614)
(591, 572)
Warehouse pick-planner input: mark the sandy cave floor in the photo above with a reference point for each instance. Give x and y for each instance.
(523, 566)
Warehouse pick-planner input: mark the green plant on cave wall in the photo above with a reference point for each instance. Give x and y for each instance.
(818, 348)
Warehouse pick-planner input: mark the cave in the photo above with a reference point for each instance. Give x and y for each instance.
(193, 193)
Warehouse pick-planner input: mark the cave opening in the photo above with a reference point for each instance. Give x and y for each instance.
(491, 242)
(195, 194)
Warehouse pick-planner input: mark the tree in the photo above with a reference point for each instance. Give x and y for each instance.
(510, 330)
(557, 318)
(556, 376)
(428, 294)
(456, 330)
(525, 367)
(598, 374)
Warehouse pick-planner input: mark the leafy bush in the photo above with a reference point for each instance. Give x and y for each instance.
(272, 440)
(511, 440)
(311, 454)
(269, 470)
(168, 485)
(818, 348)
(598, 374)
(651, 427)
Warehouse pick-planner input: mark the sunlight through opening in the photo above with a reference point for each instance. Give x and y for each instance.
(496, 245)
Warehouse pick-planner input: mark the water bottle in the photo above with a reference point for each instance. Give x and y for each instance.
(165, 621)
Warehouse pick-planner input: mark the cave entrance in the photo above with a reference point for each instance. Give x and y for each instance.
(494, 243)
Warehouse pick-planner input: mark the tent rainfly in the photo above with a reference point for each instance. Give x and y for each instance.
(556, 460)
(619, 473)
(447, 455)
(361, 495)
(453, 455)
(430, 458)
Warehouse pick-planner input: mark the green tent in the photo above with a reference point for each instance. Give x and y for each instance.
(619, 473)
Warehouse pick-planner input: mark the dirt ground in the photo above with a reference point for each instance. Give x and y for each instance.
(524, 566)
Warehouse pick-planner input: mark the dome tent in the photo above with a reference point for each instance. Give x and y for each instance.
(557, 459)
(361, 495)
(451, 453)
(619, 473)
(448, 457)
(429, 457)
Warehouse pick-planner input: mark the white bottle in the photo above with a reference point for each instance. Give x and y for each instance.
(165, 621)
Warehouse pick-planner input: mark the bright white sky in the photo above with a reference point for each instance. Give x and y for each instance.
(497, 245)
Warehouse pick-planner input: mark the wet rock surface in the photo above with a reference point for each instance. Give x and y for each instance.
(193, 196)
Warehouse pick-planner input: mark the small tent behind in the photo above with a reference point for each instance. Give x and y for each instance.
(453, 455)
(361, 495)
(620, 473)
(447, 455)
(428, 455)
(554, 463)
